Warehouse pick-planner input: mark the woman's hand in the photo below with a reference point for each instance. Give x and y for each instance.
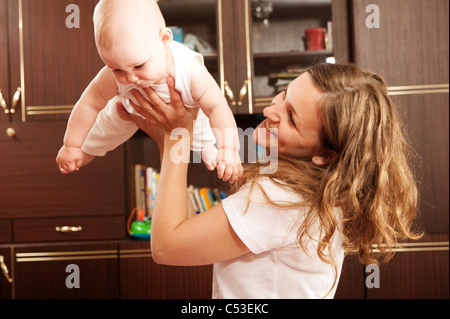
(168, 116)
(151, 127)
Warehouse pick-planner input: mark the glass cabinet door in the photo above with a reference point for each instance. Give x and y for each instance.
(288, 36)
(193, 23)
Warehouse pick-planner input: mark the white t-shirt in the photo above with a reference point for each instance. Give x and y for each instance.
(276, 268)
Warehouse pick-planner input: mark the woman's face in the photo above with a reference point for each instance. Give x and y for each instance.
(293, 123)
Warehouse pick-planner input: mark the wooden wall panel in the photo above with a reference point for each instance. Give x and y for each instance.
(411, 45)
(410, 49)
(427, 121)
(351, 283)
(408, 52)
(418, 271)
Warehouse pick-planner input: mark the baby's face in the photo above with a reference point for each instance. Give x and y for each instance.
(139, 59)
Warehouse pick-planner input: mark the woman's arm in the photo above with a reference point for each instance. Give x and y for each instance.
(176, 239)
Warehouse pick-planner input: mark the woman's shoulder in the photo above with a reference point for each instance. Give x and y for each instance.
(264, 188)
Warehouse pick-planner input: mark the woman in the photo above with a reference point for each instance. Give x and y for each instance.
(343, 183)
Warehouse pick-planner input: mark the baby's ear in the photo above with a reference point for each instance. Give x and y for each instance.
(166, 36)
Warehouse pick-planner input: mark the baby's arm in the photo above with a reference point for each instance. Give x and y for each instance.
(102, 88)
(205, 90)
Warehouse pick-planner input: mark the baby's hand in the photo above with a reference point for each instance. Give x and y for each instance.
(209, 157)
(70, 159)
(229, 167)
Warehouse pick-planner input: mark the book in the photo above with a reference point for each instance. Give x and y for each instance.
(146, 184)
(205, 197)
(193, 200)
(139, 184)
(152, 181)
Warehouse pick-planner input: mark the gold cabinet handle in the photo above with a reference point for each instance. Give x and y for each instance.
(229, 93)
(5, 269)
(68, 229)
(243, 93)
(3, 103)
(10, 132)
(15, 100)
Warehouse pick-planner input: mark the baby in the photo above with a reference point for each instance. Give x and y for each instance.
(139, 52)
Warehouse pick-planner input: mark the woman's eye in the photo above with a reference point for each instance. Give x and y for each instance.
(291, 119)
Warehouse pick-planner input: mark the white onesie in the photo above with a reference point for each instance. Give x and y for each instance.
(110, 130)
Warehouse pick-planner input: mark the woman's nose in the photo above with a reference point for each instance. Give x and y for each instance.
(271, 113)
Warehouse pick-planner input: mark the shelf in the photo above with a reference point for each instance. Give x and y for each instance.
(296, 54)
(270, 62)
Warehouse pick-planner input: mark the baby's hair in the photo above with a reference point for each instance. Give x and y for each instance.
(110, 18)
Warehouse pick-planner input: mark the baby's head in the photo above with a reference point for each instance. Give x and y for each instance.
(133, 41)
(117, 21)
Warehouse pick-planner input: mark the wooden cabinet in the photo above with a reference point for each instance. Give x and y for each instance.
(141, 277)
(5, 91)
(46, 61)
(47, 65)
(6, 276)
(96, 270)
(62, 271)
(247, 50)
(412, 52)
(32, 186)
(5, 231)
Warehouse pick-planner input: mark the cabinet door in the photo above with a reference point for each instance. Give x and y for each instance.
(4, 73)
(6, 275)
(141, 278)
(412, 52)
(66, 271)
(32, 186)
(271, 50)
(233, 50)
(52, 56)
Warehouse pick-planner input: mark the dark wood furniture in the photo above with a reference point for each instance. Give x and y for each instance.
(45, 67)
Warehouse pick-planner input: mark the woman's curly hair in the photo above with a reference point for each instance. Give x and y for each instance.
(371, 179)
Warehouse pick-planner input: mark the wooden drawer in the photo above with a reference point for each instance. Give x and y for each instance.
(5, 231)
(68, 229)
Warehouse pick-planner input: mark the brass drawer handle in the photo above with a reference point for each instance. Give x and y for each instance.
(229, 93)
(5, 269)
(243, 93)
(68, 229)
(15, 100)
(3, 103)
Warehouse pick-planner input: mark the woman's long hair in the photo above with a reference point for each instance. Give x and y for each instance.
(371, 179)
